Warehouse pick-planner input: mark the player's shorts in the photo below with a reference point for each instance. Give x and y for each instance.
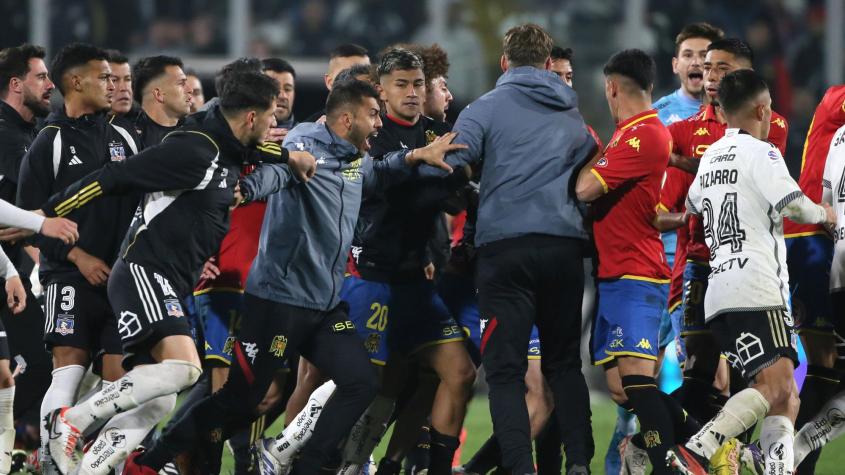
(461, 298)
(627, 321)
(695, 287)
(667, 333)
(79, 315)
(4, 343)
(676, 315)
(808, 259)
(147, 310)
(419, 318)
(369, 308)
(219, 314)
(755, 340)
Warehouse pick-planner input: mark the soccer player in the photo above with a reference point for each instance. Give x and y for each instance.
(827, 425)
(623, 184)
(188, 179)
(436, 70)
(302, 310)
(122, 101)
(562, 63)
(523, 244)
(741, 192)
(162, 88)
(80, 325)
(282, 71)
(690, 139)
(195, 86)
(809, 250)
(342, 57)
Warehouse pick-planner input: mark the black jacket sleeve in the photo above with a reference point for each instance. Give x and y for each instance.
(35, 185)
(182, 161)
(268, 152)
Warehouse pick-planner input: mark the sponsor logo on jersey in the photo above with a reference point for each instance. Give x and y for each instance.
(702, 131)
(116, 151)
(634, 142)
(64, 324)
(278, 345)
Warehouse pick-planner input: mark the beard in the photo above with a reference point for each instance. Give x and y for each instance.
(35, 105)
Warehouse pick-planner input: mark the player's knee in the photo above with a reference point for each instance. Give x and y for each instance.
(183, 373)
(6, 380)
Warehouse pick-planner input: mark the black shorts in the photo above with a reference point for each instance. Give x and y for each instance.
(4, 343)
(77, 314)
(147, 310)
(755, 340)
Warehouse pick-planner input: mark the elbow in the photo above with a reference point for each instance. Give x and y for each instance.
(585, 193)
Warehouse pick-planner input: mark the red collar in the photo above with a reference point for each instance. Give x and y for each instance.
(403, 123)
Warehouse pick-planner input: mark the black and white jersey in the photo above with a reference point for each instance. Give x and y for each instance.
(833, 182)
(188, 181)
(740, 190)
(66, 150)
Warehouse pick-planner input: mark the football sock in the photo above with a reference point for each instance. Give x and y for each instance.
(740, 413)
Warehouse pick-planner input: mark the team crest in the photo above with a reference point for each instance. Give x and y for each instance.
(602, 162)
(116, 151)
(651, 438)
(229, 345)
(372, 342)
(174, 308)
(430, 136)
(773, 155)
(64, 324)
(353, 173)
(278, 345)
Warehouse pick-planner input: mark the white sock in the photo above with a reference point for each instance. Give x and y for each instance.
(776, 439)
(90, 384)
(134, 388)
(828, 424)
(297, 434)
(7, 428)
(740, 413)
(365, 435)
(61, 393)
(123, 433)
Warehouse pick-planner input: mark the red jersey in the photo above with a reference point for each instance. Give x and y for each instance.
(239, 247)
(673, 196)
(691, 138)
(630, 171)
(829, 116)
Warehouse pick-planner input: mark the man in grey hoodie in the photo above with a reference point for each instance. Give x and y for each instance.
(530, 235)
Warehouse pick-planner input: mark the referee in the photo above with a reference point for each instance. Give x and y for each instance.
(530, 235)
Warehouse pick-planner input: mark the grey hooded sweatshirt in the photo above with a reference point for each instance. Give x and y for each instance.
(532, 141)
(308, 227)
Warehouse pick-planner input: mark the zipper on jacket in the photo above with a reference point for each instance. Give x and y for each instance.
(339, 174)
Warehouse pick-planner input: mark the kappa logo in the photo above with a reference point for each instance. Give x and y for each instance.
(701, 131)
(128, 325)
(166, 289)
(780, 123)
(644, 344)
(634, 142)
(251, 350)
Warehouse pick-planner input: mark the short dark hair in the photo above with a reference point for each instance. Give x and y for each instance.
(240, 65)
(148, 69)
(191, 72)
(735, 46)
(738, 87)
(561, 53)
(698, 30)
(398, 59)
(527, 45)
(633, 64)
(71, 56)
(14, 63)
(349, 92)
(353, 72)
(116, 57)
(348, 49)
(248, 90)
(435, 60)
(278, 65)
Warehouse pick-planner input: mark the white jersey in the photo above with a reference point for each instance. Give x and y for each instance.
(741, 187)
(833, 182)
